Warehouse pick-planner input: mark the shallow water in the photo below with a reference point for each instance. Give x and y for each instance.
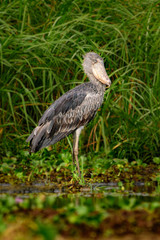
(136, 189)
(112, 208)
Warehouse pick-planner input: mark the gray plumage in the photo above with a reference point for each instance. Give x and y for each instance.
(73, 110)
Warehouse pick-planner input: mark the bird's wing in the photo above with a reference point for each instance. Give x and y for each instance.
(62, 105)
(64, 116)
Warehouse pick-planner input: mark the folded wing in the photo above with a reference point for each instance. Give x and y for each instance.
(71, 111)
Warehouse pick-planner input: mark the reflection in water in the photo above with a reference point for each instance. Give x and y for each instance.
(139, 189)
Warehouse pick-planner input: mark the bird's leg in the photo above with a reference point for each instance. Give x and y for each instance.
(75, 148)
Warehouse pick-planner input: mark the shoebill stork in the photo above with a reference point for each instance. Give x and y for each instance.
(73, 110)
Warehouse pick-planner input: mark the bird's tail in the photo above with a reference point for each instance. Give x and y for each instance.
(38, 138)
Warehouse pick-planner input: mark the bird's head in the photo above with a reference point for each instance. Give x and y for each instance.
(94, 66)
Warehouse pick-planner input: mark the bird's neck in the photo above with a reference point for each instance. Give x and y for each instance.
(100, 86)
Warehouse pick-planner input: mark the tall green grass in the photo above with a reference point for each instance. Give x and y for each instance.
(41, 50)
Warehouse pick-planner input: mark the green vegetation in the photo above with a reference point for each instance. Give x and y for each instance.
(76, 217)
(42, 43)
(53, 167)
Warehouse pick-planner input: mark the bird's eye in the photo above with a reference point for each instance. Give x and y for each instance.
(94, 61)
